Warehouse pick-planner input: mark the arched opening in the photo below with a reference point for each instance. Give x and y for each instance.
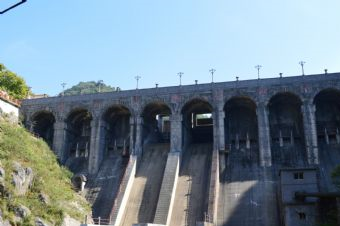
(241, 131)
(327, 114)
(43, 126)
(156, 123)
(117, 130)
(197, 122)
(286, 130)
(78, 139)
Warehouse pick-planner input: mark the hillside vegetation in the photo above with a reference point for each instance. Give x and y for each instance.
(49, 195)
(88, 88)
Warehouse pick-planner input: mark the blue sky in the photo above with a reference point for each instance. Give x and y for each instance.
(50, 42)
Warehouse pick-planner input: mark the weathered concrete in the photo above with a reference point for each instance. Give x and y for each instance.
(167, 194)
(123, 193)
(260, 125)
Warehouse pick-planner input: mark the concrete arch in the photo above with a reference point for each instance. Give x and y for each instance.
(197, 124)
(110, 105)
(327, 117)
(42, 124)
(78, 138)
(240, 95)
(77, 109)
(187, 103)
(322, 90)
(241, 129)
(117, 107)
(156, 102)
(248, 98)
(116, 132)
(283, 92)
(156, 122)
(287, 130)
(189, 100)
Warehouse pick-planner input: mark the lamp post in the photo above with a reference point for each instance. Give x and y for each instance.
(137, 79)
(63, 85)
(302, 63)
(212, 71)
(180, 74)
(258, 67)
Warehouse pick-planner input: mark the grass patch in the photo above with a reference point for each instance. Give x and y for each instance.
(16, 144)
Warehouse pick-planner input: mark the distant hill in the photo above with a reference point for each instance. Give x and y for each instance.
(89, 87)
(33, 186)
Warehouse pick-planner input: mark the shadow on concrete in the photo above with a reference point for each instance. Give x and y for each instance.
(191, 199)
(142, 203)
(102, 189)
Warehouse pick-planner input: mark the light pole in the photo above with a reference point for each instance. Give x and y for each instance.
(212, 71)
(180, 77)
(63, 85)
(302, 63)
(137, 79)
(100, 82)
(258, 67)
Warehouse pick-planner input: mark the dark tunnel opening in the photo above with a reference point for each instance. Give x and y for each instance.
(286, 130)
(117, 131)
(43, 126)
(197, 122)
(241, 129)
(327, 115)
(78, 140)
(156, 123)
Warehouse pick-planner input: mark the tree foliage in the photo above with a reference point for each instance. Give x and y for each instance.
(13, 84)
(89, 87)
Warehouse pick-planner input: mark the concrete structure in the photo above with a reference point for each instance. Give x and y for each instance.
(9, 107)
(296, 212)
(226, 141)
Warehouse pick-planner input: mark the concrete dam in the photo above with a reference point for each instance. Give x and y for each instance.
(225, 154)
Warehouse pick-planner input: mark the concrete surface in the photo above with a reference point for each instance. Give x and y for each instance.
(190, 198)
(141, 205)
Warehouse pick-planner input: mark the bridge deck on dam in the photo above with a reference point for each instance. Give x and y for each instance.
(190, 198)
(143, 198)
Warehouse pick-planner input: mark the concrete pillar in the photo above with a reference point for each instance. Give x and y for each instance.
(139, 134)
(132, 135)
(263, 134)
(221, 135)
(176, 133)
(97, 144)
(59, 139)
(309, 125)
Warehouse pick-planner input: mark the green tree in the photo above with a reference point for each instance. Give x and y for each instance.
(89, 87)
(13, 84)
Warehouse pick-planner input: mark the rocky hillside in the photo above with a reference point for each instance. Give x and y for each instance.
(34, 189)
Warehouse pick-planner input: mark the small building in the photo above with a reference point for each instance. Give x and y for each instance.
(295, 211)
(9, 107)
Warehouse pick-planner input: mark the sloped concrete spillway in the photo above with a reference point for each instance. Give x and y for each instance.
(102, 190)
(247, 195)
(143, 198)
(191, 193)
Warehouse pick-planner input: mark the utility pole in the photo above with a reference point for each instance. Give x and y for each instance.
(63, 85)
(212, 71)
(137, 79)
(258, 67)
(302, 63)
(100, 82)
(180, 77)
